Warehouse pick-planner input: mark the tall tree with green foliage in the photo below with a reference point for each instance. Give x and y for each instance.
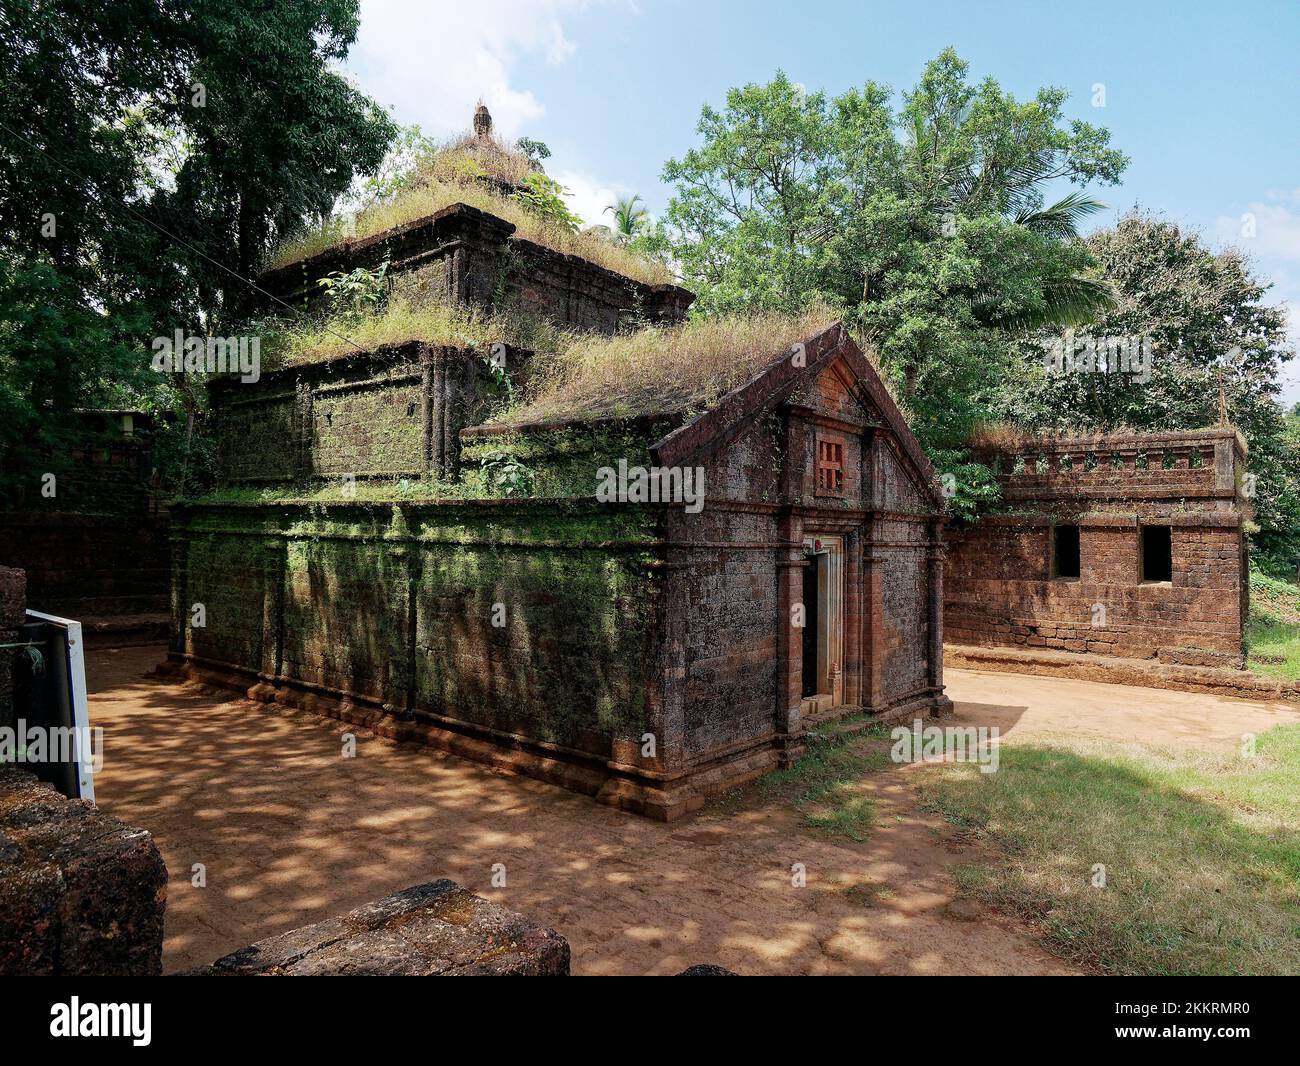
(926, 221)
(151, 152)
(1208, 325)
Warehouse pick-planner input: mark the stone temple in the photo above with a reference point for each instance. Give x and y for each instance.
(384, 549)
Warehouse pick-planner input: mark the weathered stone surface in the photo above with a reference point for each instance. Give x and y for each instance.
(29, 912)
(13, 597)
(433, 930)
(999, 583)
(467, 256)
(99, 547)
(1116, 670)
(81, 893)
(549, 634)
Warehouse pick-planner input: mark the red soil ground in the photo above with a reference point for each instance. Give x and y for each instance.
(290, 832)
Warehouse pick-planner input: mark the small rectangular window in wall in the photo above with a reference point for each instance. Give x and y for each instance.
(830, 467)
(1065, 551)
(1157, 554)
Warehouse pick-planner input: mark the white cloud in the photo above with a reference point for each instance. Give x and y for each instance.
(432, 61)
(588, 197)
(1268, 228)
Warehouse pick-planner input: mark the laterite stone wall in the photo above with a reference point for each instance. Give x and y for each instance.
(467, 256)
(999, 583)
(527, 619)
(83, 892)
(13, 612)
(394, 412)
(906, 622)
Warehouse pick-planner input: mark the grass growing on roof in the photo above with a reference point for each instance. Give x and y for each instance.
(1201, 850)
(455, 175)
(681, 368)
(471, 156)
(404, 317)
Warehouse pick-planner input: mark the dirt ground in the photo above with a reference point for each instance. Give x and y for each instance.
(289, 831)
(1023, 706)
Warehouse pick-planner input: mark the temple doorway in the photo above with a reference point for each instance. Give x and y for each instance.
(823, 632)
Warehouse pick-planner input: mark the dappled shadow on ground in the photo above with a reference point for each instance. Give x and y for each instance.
(289, 831)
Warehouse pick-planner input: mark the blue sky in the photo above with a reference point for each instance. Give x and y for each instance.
(1203, 95)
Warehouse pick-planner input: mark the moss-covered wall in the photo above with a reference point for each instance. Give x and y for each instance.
(369, 426)
(559, 462)
(538, 618)
(394, 412)
(258, 431)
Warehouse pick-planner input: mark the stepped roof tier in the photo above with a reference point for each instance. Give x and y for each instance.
(467, 224)
(468, 256)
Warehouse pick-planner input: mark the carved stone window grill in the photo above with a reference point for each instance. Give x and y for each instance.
(830, 467)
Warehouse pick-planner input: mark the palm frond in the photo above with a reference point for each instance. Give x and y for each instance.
(1060, 220)
(1068, 300)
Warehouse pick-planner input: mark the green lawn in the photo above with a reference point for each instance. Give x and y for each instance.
(1273, 630)
(826, 784)
(1201, 852)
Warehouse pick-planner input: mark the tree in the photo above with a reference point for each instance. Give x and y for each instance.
(409, 148)
(151, 152)
(631, 219)
(1203, 314)
(924, 223)
(536, 152)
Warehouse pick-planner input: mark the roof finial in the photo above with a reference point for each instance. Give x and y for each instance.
(482, 121)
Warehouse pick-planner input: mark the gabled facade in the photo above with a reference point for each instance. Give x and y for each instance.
(822, 515)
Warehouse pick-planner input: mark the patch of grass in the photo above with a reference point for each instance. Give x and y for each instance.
(455, 175)
(405, 317)
(825, 784)
(1201, 851)
(869, 894)
(660, 369)
(469, 156)
(1273, 629)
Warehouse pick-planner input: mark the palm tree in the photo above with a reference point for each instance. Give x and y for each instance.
(630, 218)
(1068, 299)
(1061, 219)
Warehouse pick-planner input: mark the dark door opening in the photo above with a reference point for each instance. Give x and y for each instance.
(811, 622)
(1065, 552)
(1157, 554)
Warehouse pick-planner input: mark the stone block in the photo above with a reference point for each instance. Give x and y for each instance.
(83, 893)
(437, 929)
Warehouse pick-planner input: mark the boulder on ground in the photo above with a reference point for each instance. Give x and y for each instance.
(81, 892)
(432, 930)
